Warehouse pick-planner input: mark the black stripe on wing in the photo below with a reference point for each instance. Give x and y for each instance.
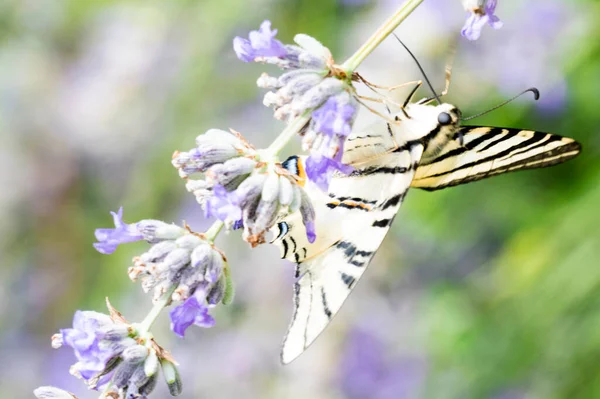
(492, 151)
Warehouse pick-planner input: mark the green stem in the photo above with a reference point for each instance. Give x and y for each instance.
(384, 31)
(155, 311)
(213, 230)
(287, 134)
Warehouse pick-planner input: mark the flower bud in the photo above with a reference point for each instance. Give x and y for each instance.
(250, 189)
(57, 340)
(195, 185)
(171, 376)
(145, 389)
(135, 354)
(52, 393)
(123, 373)
(200, 255)
(177, 259)
(189, 241)
(225, 173)
(217, 292)
(151, 364)
(268, 82)
(155, 230)
(214, 268)
(157, 252)
(115, 332)
(219, 136)
(286, 191)
(297, 199)
(318, 94)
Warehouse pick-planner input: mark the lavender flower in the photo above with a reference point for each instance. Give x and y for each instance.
(88, 329)
(261, 43)
(482, 13)
(98, 342)
(182, 266)
(149, 230)
(244, 191)
(226, 159)
(367, 370)
(109, 239)
(109, 349)
(192, 311)
(313, 84)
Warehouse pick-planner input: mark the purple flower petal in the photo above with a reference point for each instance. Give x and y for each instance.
(192, 311)
(320, 168)
(260, 43)
(223, 205)
(310, 232)
(84, 339)
(479, 18)
(334, 118)
(109, 239)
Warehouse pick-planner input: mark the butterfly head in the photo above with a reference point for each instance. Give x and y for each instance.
(434, 125)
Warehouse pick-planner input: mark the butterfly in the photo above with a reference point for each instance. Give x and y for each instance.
(426, 148)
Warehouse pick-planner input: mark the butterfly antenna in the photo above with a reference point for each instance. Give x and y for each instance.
(420, 68)
(536, 96)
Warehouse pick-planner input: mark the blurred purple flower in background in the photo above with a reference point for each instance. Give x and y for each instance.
(261, 43)
(367, 370)
(109, 239)
(482, 13)
(548, 25)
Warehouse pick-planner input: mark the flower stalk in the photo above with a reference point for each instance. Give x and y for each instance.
(287, 134)
(151, 317)
(380, 34)
(214, 230)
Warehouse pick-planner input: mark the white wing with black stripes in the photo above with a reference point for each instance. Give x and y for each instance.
(489, 151)
(352, 221)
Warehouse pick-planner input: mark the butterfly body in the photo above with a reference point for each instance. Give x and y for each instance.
(423, 147)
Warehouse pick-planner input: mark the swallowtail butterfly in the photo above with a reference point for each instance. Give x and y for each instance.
(426, 148)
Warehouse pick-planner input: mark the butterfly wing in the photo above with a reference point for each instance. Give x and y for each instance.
(488, 151)
(352, 221)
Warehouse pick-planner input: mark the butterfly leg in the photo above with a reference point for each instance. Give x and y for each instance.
(449, 65)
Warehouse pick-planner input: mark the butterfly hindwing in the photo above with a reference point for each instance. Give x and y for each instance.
(352, 221)
(488, 151)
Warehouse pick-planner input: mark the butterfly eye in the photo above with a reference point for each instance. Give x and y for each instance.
(444, 118)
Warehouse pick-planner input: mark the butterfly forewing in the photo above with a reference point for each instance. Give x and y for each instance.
(488, 151)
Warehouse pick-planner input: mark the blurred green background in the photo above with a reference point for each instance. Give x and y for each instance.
(490, 290)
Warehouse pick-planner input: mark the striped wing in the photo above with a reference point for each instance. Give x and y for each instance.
(352, 221)
(488, 151)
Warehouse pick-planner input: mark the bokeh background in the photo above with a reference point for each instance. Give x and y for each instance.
(489, 290)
